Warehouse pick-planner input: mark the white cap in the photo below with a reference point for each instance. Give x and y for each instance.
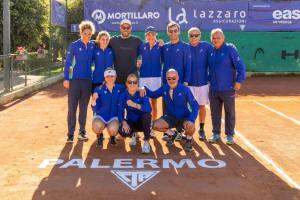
(110, 72)
(125, 21)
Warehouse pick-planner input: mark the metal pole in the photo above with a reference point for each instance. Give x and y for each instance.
(6, 44)
(50, 32)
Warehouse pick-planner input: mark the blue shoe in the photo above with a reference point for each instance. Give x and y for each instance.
(202, 135)
(229, 140)
(215, 138)
(146, 148)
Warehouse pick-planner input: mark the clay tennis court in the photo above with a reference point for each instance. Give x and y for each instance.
(263, 164)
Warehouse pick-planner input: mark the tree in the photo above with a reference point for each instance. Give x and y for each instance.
(28, 23)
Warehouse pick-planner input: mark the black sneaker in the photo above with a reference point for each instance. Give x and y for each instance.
(113, 140)
(188, 145)
(99, 142)
(166, 137)
(70, 139)
(202, 135)
(82, 135)
(170, 142)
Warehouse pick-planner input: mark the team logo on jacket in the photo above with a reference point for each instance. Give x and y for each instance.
(80, 49)
(177, 50)
(179, 94)
(201, 50)
(222, 54)
(98, 53)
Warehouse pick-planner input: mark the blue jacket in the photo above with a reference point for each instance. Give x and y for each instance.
(133, 114)
(199, 70)
(107, 103)
(151, 60)
(225, 68)
(102, 60)
(83, 60)
(183, 106)
(177, 56)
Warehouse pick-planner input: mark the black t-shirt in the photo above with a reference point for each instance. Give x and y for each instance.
(125, 54)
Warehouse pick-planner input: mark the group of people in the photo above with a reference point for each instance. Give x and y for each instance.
(129, 75)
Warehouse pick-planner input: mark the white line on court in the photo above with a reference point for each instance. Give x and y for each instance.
(269, 100)
(268, 160)
(265, 158)
(278, 113)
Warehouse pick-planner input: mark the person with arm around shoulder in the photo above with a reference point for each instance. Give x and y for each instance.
(138, 113)
(181, 109)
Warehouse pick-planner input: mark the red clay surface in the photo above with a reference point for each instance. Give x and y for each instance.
(34, 129)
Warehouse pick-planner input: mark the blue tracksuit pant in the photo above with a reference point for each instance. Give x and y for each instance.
(79, 94)
(217, 100)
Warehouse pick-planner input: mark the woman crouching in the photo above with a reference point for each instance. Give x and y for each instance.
(105, 106)
(138, 111)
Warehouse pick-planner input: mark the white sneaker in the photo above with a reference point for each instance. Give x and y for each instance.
(146, 147)
(133, 140)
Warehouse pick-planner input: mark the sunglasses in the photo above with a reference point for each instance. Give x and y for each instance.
(171, 78)
(132, 82)
(173, 31)
(194, 35)
(125, 27)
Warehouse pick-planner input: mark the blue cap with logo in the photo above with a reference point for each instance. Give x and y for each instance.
(150, 29)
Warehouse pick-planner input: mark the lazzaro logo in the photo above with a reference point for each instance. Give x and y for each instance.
(99, 16)
(180, 18)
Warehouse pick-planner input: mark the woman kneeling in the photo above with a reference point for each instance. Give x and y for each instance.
(105, 102)
(138, 111)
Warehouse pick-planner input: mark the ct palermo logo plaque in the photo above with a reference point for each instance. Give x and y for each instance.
(134, 179)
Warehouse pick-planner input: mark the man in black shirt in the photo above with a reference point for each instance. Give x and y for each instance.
(125, 47)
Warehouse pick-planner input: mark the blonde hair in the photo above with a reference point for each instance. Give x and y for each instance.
(100, 35)
(87, 25)
(216, 30)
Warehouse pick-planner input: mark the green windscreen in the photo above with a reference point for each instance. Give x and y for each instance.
(261, 51)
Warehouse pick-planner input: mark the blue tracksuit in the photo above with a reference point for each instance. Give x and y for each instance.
(225, 68)
(151, 60)
(102, 60)
(80, 83)
(199, 56)
(177, 56)
(133, 114)
(178, 107)
(83, 60)
(107, 102)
